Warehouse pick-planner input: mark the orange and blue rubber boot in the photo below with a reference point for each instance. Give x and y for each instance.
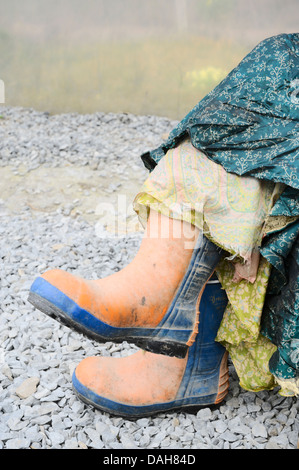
(151, 303)
(145, 384)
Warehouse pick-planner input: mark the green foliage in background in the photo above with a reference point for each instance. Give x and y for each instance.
(215, 9)
(149, 76)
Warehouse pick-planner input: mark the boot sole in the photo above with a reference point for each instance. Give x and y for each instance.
(149, 344)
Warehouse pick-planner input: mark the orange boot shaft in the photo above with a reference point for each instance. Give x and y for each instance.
(140, 293)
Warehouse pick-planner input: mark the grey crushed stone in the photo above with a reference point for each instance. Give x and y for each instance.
(41, 354)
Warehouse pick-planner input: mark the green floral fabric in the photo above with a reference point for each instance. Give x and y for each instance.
(240, 328)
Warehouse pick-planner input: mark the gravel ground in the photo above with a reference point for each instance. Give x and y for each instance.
(49, 219)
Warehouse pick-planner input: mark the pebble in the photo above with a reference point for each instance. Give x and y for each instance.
(56, 438)
(204, 414)
(259, 430)
(38, 408)
(28, 387)
(220, 426)
(17, 443)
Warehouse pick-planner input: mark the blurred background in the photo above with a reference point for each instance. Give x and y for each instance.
(138, 56)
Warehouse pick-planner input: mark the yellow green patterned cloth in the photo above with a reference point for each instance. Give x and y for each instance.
(240, 328)
(231, 211)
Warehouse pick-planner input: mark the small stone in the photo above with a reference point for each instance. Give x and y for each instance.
(204, 414)
(279, 442)
(17, 444)
(166, 442)
(57, 423)
(187, 436)
(35, 445)
(41, 420)
(27, 388)
(101, 429)
(56, 438)
(15, 424)
(46, 408)
(152, 430)
(259, 430)
(93, 434)
(175, 422)
(128, 443)
(282, 418)
(109, 437)
(142, 422)
(42, 393)
(159, 437)
(58, 246)
(82, 445)
(33, 434)
(229, 436)
(272, 445)
(266, 406)
(144, 440)
(253, 408)
(220, 426)
(7, 372)
(233, 402)
(242, 429)
(72, 444)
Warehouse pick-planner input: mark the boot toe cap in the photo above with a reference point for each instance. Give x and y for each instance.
(62, 280)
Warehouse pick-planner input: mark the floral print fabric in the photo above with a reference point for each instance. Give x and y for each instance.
(230, 209)
(249, 123)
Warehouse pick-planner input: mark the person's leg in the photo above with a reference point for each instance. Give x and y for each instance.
(144, 383)
(155, 302)
(151, 302)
